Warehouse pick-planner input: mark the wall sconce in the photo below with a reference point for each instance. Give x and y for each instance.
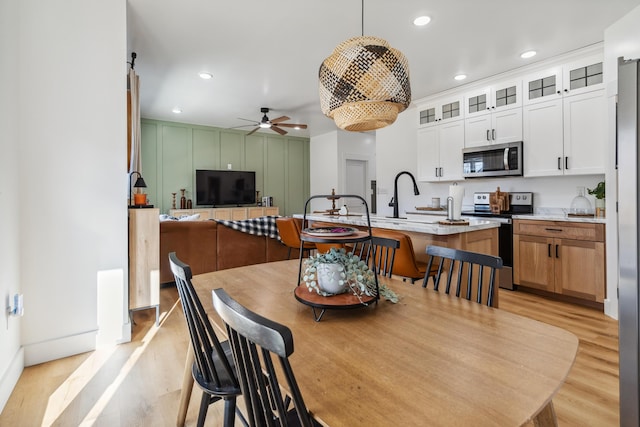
(139, 184)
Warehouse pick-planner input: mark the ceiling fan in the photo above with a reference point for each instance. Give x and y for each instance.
(275, 124)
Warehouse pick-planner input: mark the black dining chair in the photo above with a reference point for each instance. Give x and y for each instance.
(213, 368)
(385, 250)
(462, 267)
(257, 344)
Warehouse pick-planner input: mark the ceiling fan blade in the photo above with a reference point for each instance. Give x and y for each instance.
(292, 125)
(279, 119)
(248, 120)
(243, 126)
(253, 131)
(277, 129)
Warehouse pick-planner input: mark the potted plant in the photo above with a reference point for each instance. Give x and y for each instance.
(599, 193)
(337, 271)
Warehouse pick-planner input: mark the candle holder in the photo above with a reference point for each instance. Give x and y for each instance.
(173, 200)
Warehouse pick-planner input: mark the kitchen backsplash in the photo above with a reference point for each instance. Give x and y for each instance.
(550, 193)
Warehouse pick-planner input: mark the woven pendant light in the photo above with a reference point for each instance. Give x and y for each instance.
(364, 84)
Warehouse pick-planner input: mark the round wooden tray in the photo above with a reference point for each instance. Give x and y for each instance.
(346, 300)
(357, 236)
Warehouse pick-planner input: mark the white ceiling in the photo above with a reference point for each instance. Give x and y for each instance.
(267, 54)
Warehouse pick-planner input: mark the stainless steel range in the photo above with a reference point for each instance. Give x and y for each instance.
(519, 203)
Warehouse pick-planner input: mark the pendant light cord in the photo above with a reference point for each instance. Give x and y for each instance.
(362, 18)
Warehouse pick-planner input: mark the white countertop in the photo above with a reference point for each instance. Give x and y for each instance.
(561, 217)
(427, 224)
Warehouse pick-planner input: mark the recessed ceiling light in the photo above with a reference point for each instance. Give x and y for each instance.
(205, 76)
(528, 54)
(421, 21)
(460, 77)
(176, 110)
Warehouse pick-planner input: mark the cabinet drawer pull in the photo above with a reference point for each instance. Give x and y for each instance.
(488, 135)
(566, 162)
(557, 256)
(493, 134)
(553, 229)
(559, 164)
(549, 249)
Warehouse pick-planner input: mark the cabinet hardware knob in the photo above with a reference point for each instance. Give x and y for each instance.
(566, 90)
(558, 92)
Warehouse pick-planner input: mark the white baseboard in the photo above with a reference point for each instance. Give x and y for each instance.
(10, 377)
(611, 308)
(58, 348)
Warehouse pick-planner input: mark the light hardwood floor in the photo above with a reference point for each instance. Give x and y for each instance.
(138, 383)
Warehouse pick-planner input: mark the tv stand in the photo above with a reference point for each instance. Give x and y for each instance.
(229, 213)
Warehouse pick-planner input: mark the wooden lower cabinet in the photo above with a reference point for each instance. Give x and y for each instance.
(144, 259)
(545, 259)
(231, 214)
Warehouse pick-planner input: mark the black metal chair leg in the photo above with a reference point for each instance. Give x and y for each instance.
(204, 406)
(229, 412)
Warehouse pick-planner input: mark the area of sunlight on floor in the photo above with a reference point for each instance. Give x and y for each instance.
(69, 389)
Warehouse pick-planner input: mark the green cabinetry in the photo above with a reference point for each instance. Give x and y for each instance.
(171, 152)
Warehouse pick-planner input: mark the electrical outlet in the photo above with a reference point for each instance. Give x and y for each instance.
(17, 306)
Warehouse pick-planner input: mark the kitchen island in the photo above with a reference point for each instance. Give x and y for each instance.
(479, 235)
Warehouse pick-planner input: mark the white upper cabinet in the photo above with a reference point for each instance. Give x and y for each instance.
(565, 136)
(542, 146)
(500, 96)
(440, 152)
(585, 119)
(494, 114)
(440, 110)
(573, 78)
(584, 75)
(543, 86)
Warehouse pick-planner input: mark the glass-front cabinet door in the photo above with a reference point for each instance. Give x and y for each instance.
(500, 96)
(584, 75)
(442, 110)
(543, 86)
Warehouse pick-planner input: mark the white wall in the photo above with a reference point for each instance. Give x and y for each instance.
(622, 39)
(356, 146)
(323, 168)
(11, 356)
(68, 174)
(329, 154)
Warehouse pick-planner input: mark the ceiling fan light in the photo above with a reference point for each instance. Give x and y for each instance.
(364, 84)
(265, 125)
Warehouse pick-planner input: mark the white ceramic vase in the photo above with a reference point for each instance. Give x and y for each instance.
(329, 276)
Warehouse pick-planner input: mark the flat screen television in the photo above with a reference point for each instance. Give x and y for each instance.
(225, 187)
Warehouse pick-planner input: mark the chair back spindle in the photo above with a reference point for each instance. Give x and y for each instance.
(464, 267)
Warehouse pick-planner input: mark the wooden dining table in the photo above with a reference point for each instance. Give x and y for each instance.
(429, 360)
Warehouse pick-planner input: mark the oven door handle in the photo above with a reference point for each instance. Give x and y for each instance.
(505, 160)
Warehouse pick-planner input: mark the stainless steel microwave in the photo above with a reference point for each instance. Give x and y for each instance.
(492, 160)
